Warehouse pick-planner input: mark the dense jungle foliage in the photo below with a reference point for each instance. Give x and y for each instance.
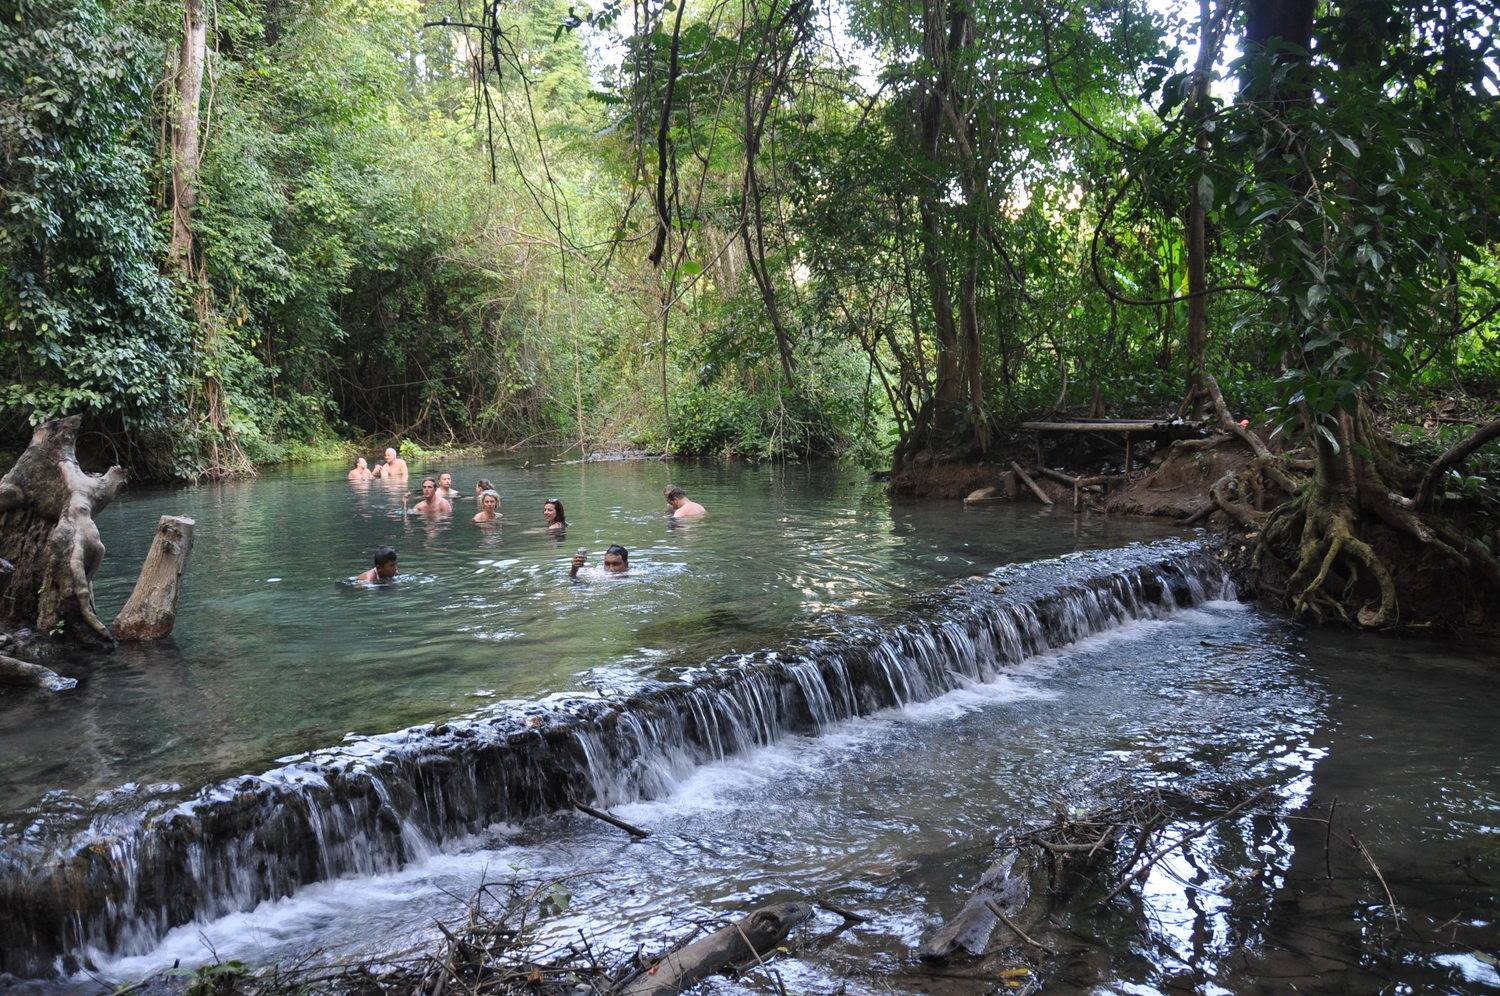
(759, 227)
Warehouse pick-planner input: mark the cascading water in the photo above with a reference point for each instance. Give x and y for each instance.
(370, 805)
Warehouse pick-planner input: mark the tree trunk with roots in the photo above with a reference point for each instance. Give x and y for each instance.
(47, 531)
(1355, 530)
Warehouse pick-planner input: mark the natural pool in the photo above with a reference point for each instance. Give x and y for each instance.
(274, 653)
(891, 813)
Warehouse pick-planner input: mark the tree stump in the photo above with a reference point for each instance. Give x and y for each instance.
(151, 610)
(47, 530)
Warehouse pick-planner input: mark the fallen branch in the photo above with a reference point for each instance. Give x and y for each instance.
(970, 929)
(615, 821)
(1041, 495)
(14, 672)
(743, 940)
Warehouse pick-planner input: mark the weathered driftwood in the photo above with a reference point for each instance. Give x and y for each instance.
(47, 507)
(983, 495)
(14, 672)
(1003, 887)
(1041, 495)
(747, 939)
(151, 610)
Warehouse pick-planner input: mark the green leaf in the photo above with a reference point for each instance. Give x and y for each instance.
(1348, 143)
(1205, 191)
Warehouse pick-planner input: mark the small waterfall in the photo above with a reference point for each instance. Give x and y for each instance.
(373, 804)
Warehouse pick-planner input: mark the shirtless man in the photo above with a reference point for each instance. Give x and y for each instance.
(361, 471)
(384, 569)
(394, 468)
(681, 505)
(616, 561)
(445, 486)
(432, 503)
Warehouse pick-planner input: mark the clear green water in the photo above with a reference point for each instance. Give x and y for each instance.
(276, 653)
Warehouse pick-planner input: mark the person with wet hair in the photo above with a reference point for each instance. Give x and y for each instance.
(361, 471)
(489, 506)
(432, 503)
(616, 561)
(481, 486)
(681, 505)
(556, 516)
(384, 570)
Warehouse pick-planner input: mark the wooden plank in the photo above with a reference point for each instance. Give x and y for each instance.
(1041, 495)
(1139, 426)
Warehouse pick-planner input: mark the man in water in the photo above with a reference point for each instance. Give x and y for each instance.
(681, 505)
(432, 503)
(361, 471)
(616, 561)
(384, 569)
(445, 486)
(394, 468)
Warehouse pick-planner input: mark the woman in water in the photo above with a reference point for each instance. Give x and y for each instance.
(552, 511)
(489, 506)
(481, 486)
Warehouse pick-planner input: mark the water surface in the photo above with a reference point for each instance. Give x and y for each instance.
(275, 653)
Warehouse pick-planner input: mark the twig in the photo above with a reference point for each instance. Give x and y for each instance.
(1359, 846)
(1015, 927)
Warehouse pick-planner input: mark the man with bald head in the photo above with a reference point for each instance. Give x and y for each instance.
(394, 468)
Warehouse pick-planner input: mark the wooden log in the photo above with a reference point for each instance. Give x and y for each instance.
(1127, 453)
(1122, 425)
(1003, 886)
(983, 494)
(151, 610)
(1058, 476)
(747, 939)
(14, 672)
(1041, 495)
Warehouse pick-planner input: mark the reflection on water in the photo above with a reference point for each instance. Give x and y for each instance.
(274, 655)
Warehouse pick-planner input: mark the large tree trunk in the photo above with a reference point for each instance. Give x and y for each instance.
(47, 530)
(185, 151)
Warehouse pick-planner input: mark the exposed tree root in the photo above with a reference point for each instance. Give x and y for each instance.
(1321, 527)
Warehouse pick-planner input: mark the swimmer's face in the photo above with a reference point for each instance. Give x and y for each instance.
(390, 455)
(489, 502)
(549, 512)
(386, 570)
(446, 480)
(614, 563)
(428, 488)
(360, 463)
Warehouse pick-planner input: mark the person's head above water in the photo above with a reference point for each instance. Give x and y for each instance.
(482, 485)
(552, 511)
(390, 454)
(675, 495)
(429, 487)
(361, 463)
(616, 559)
(445, 481)
(489, 500)
(385, 563)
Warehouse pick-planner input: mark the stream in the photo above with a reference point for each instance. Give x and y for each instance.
(809, 692)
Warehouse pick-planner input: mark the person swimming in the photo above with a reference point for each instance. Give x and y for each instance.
(553, 512)
(432, 503)
(616, 561)
(394, 468)
(482, 485)
(489, 506)
(446, 488)
(384, 570)
(361, 471)
(681, 505)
